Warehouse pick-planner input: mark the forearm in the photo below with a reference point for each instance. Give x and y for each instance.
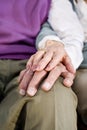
(46, 33)
(68, 28)
(74, 50)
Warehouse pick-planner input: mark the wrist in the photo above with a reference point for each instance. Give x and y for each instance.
(53, 42)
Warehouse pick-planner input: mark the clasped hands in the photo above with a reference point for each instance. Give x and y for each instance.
(47, 64)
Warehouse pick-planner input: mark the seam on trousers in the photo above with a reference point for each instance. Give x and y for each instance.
(15, 112)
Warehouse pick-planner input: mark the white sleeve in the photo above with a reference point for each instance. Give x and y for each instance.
(64, 21)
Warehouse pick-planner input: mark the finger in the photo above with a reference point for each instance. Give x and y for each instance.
(52, 77)
(45, 60)
(37, 57)
(34, 83)
(25, 81)
(30, 62)
(68, 78)
(21, 75)
(67, 62)
(54, 62)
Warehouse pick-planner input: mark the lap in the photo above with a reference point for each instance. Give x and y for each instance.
(43, 103)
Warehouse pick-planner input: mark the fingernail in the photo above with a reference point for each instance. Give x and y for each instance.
(68, 83)
(46, 86)
(31, 91)
(22, 92)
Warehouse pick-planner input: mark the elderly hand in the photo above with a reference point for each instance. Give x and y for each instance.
(47, 64)
(29, 80)
(50, 57)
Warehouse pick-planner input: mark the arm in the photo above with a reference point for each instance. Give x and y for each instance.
(67, 28)
(46, 33)
(29, 80)
(54, 53)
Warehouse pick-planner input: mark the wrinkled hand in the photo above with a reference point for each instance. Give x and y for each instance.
(47, 64)
(29, 81)
(50, 57)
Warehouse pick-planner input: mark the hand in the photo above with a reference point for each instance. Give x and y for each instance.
(50, 57)
(29, 80)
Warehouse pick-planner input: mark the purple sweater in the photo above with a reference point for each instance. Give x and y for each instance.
(20, 22)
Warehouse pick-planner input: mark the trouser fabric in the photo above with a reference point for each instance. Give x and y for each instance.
(80, 87)
(53, 110)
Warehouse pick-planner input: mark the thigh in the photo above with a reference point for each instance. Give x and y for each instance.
(1, 90)
(10, 90)
(53, 110)
(80, 88)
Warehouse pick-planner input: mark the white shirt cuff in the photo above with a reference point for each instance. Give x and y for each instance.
(75, 54)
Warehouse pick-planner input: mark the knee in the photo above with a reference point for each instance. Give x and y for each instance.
(65, 94)
(59, 94)
(46, 108)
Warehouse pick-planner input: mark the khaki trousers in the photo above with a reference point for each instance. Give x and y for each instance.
(53, 110)
(80, 87)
